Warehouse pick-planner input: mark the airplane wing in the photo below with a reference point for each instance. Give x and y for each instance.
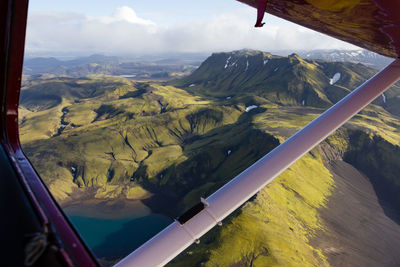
(370, 24)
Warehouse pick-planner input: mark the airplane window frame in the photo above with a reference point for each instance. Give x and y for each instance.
(60, 232)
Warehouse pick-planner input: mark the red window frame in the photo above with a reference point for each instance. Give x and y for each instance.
(13, 19)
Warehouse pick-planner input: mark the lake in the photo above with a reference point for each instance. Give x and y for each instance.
(113, 237)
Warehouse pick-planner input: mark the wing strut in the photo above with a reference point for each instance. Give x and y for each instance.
(211, 211)
(261, 8)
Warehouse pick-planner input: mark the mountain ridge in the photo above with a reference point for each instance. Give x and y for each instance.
(282, 80)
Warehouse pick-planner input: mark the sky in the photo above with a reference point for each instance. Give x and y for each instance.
(137, 27)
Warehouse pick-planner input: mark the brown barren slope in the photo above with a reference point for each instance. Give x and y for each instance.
(359, 233)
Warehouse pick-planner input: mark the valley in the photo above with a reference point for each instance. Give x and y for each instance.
(165, 144)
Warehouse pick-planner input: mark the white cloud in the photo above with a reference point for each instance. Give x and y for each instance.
(124, 32)
(125, 14)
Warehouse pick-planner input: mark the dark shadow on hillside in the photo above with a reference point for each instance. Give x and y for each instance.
(380, 161)
(33, 101)
(213, 159)
(106, 111)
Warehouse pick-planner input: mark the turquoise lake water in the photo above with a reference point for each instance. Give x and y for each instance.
(116, 238)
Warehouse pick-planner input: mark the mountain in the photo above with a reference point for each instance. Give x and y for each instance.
(362, 56)
(282, 80)
(365, 57)
(54, 66)
(166, 144)
(42, 63)
(157, 67)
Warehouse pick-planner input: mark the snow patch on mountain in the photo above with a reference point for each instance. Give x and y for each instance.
(335, 78)
(227, 62)
(251, 107)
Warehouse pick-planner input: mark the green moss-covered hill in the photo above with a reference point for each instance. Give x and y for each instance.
(107, 137)
(283, 80)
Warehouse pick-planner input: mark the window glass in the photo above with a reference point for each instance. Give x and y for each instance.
(132, 110)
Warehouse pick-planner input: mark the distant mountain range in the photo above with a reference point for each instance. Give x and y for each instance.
(169, 66)
(368, 58)
(362, 56)
(100, 64)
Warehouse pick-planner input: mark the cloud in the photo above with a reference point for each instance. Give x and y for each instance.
(124, 32)
(126, 14)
